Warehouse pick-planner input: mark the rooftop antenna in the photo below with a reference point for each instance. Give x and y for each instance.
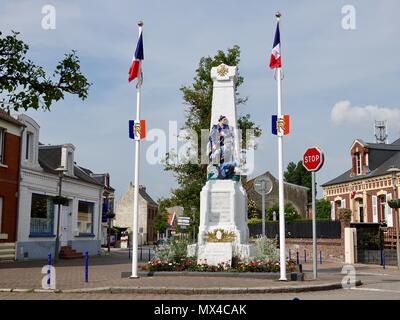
(380, 132)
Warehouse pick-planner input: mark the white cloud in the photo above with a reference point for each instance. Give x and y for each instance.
(343, 112)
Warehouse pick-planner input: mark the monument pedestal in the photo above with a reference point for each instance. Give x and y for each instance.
(223, 230)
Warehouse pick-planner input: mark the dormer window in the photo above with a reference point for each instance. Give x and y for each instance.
(358, 164)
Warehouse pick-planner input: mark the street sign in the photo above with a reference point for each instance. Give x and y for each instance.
(263, 185)
(313, 159)
(183, 221)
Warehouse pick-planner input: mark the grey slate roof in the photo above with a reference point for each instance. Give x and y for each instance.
(50, 158)
(145, 196)
(381, 158)
(5, 116)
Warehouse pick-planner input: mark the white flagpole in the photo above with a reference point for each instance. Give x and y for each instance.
(282, 251)
(135, 227)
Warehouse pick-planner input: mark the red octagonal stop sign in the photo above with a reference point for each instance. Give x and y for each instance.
(313, 159)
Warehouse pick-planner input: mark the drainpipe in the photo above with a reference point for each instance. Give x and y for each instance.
(19, 187)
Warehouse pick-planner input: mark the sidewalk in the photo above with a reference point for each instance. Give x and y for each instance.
(105, 274)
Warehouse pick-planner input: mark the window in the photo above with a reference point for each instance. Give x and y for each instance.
(85, 217)
(42, 214)
(2, 144)
(358, 163)
(29, 146)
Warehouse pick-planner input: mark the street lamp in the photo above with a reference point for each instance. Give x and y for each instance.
(394, 171)
(60, 171)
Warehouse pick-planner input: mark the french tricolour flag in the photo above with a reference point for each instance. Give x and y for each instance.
(134, 70)
(275, 61)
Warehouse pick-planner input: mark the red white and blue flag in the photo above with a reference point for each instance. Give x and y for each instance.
(275, 60)
(135, 69)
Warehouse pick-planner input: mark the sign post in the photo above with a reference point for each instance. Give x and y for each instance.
(313, 160)
(263, 186)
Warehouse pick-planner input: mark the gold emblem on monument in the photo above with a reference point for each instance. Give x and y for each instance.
(222, 70)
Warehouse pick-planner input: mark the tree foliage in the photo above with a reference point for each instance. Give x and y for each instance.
(197, 98)
(25, 85)
(299, 175)
(322, 209)
(291, 213)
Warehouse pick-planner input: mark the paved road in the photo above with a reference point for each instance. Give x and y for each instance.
(379, 283)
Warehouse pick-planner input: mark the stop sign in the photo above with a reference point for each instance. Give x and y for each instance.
(313, 159)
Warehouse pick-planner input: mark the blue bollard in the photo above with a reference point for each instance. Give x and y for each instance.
(49, 269)
(86, 267)
(149, 255)
(297, 258)
(290, 255)
(320, 257)
(305, 256)
(141, 253)
(384, 262)
(381, 257)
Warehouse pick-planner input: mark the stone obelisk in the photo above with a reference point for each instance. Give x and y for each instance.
(223, 231)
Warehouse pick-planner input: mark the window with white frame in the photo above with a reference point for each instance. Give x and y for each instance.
(85, 217)
(2, 144)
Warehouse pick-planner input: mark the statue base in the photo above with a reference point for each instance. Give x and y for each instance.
(223, 230)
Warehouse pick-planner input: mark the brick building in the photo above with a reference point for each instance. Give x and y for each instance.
(367, 186)
(10, 144)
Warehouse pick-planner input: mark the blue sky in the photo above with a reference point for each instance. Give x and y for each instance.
(353, 72)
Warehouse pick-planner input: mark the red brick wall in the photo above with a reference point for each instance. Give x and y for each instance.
(9, 186)
(332, 249)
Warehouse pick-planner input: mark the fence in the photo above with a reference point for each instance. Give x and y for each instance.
(299, 229)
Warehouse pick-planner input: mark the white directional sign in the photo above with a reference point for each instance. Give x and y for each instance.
(183, 221)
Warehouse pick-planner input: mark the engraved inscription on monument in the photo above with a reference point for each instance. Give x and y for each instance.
(216, 253)
(219, 207)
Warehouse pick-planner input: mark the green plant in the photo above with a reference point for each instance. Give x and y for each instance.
(266, 249)
(254, 221)
(173, 249)
(60, 200)
(345, 214)
(394, 203)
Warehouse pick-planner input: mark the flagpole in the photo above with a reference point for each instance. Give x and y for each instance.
(135, 228)
(282, 251)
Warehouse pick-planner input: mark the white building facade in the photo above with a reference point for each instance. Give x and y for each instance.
(80, 218)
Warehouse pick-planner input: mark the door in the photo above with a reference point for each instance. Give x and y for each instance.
(65, 225)
(361, 213)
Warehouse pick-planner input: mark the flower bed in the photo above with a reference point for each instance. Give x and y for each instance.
(190, 264)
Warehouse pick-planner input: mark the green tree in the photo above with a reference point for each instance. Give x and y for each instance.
(299, 175)
(161, 218)
(24, 85)
(197, 98)
(322, 209)
(290, 212)
(252, 210)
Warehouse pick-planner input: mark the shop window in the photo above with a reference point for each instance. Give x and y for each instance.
(42, 214)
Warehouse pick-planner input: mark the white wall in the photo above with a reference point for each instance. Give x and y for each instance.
(44, 183)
